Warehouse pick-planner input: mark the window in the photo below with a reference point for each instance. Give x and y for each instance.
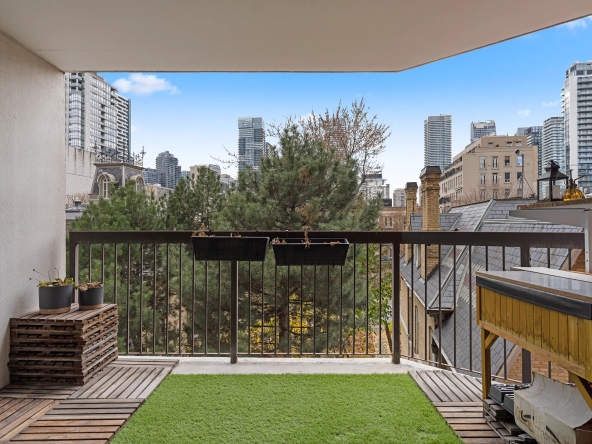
(507, 161)
(490, 144)
(494, 163)
(507, 177)
(508, 143)
(519, 161)
(519, 143)
(483, 195)
(482, 179)
(494, 194)
(104, 187)
(494, 178)
(482, 162)
(518, 175)
(507, 193)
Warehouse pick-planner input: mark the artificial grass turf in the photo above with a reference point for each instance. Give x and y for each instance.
(288, 408)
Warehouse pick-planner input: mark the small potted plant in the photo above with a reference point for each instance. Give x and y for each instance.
(90, 295)
(228, 248)
(310, 251)
(55, 294)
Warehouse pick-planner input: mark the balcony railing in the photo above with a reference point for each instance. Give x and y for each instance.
(171, 304)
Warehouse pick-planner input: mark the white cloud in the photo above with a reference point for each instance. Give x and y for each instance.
(555, 103)
(133, 129)
(144, 84)
(580, 23)
(524, 113)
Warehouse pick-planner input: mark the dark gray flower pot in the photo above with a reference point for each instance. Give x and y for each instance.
(90, 299)
(54, 300)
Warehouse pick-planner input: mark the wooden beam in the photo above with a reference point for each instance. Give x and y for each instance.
(490, 339)
(584, 388)
(486, 361)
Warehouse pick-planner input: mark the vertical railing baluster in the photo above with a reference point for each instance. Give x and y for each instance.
(301, 305)
(115, 277)
(548, 258)
(249, 318)
(289, 320)
(129, 294)
(412, 326)
(168, 293)
(275, 313)
(455, 300)
(89, 277)
(486, 258)
(425, 296)
(395, 284)
(234, 312)
(470, 308)
(262, 306)
(314, 311)
(526, 356)
(505, 342)
(219, 305)
(180, 297)
(141, 296)
(569, 264)
(341, 311)
(379, 296)
(367, 297)
(192, 304)
(328, 301)
(439, 304)
(154, 306)
(103, 263)
(74, 264)
(503, 258)
(206, 312)
(354, 311)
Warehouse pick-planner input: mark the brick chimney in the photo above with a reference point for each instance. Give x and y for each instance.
(410, 208)
(430, 210)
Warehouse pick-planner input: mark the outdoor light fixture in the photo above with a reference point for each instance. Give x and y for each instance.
(551, 184)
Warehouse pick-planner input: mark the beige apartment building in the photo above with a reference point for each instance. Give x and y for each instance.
(489, 168)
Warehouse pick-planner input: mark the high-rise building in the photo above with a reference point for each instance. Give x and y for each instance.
(533, 138)
(437, 131)
(577, 121)
(212, 166)
(169, 169)
(251, 142)
(185, 175)
(227, 182)
(399, 197)
(98, 117)
(374, 186)
(553, 139)
(520, 131)
(482, 129)
(151, 176)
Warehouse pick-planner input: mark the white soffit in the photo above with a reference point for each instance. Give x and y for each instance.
(270, 35)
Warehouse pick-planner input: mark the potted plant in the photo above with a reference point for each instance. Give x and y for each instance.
(310, 252)
(90, 295)
(228, 248)
(55, 294)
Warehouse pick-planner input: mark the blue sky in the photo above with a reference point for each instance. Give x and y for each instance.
(517, 83)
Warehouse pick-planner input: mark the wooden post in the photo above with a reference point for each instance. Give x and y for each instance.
(487, 340)
(234, 312)
(73, 272)
(526, 357)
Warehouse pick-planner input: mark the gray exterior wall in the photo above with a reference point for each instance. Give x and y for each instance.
(33, 170)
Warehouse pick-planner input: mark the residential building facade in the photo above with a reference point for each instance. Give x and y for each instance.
(399, 197)
(151, 176)
(489, 168)
(375, 185)
(482, 129)
(437, 132)
(168, 169)
(215, 168)
(534, 138)
(552, 143)
(577, 121)
(251, 142)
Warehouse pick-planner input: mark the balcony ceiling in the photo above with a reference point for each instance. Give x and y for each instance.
(270, 35)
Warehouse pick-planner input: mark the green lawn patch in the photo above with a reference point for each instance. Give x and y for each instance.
(287, 409)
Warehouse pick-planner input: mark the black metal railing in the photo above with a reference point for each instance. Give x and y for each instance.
(171, 304)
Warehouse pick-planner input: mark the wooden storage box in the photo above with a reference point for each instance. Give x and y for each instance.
(64, 348)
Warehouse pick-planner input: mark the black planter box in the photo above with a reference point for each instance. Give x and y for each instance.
(229, 248)
(318, 252)
(55, 300)
(91, 299)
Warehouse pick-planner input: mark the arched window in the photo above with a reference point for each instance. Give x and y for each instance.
(139, 182)
(104, 186)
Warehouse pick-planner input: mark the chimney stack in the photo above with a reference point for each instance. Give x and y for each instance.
(410, 208)
(430, 197)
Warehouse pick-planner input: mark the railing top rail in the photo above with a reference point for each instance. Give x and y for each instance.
(492, 239)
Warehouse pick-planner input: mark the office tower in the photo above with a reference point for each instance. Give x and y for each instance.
(482, 129)
(399, 197)
(98, 117)
(533, 138)
(553, 142)
(438, 140)
(151, 176)
(251, 142)
(577, 121)
(520, 131)
(169, 169)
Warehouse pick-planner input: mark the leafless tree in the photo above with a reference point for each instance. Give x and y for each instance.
(351, 131)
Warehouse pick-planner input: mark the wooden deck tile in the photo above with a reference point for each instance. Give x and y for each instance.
(457, 398)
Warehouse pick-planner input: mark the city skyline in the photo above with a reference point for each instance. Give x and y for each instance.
(195, 114)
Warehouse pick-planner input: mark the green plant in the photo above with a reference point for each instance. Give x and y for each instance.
(90, 285)
(53, 282)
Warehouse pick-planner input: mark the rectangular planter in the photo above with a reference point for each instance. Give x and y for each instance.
(318, 252)
(229, 248)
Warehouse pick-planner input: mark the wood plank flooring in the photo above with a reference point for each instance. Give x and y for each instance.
(458, 399)
(89, 414)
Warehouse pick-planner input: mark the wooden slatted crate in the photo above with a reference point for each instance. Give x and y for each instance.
(63, 348)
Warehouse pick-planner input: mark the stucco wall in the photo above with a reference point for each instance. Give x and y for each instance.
(32, 168)
(80, 171)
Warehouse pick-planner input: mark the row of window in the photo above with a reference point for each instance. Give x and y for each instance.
(495, 162)
(495, 178)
